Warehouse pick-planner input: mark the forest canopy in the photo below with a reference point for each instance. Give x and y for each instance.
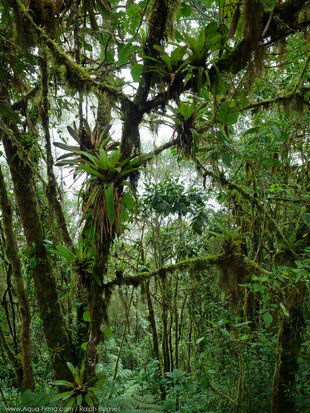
(154, 205)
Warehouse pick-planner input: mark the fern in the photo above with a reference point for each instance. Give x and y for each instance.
(133, 404)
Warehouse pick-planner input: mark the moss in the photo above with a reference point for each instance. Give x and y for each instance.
(173, 9)
(252, 15)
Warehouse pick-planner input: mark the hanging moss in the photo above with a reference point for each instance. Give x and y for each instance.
(173, 9)
(161, 21)
(252, 15)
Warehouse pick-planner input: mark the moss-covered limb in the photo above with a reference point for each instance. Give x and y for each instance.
(193, 264)
(268, 102)
(52, 187)
(76, 75)
(130, 137)
(6, 349)
(285, 21)
(230, 185)
(7, 130)
(217, 391)
(285, 97)
(23, 101)
(12, 255)
(253, 268)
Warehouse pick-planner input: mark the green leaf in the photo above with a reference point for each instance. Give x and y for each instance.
(103, 9)
(74, 134)
(63, 383)
(124, 54)
(185, 11)
(89, 400)
(211, 29)
(96, 278)
(74, 149)
(226, 114)
(178, 53)
(79, 400)
(61, 396)
(267, 317)
(86, 316)
(226, 158)
(285, 310)
(109, 197)
(136, 72)
(84, 346)
(128, 201)
(269, 5)
(70, 402)
(74, 371)
(114, 158)
(64, 252)
(108, 333)
(201, 38)
(91, 171)
(7, 112)
(306, 218)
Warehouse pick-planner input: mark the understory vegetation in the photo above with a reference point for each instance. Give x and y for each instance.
(154, 206)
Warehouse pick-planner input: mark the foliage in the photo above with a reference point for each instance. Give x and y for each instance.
(162, 263)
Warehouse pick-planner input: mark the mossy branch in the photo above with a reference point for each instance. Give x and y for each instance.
(192, 265)
(217, 391)
(77, 76)
(22, 102)
(285, 97)
(230, 185)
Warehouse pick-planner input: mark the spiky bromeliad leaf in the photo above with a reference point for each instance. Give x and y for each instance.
(70, 148)
(7, 112)
(64, 252)
(74, 134)
(61, 396)
(109, 197)
(62, 383)
(74, 371)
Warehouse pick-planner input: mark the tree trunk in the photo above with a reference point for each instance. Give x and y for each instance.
(96, 308)
(288, 348)
(152, 321)
(44, 281)
(12, 255)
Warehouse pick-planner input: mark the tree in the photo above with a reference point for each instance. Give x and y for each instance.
(207, 80)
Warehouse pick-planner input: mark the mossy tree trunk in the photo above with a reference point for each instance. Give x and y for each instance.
(55, 208)
(286, 368)
(43, 276)
(17, 365)
(12, 255)
(96, 307)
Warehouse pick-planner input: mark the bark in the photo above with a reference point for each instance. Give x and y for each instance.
(44, 281)
(164, 318)
(52, 187)
(12, 255)
(152, 321)
(288, 349)
(6, 349)
(96, 308)
(22, 173)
